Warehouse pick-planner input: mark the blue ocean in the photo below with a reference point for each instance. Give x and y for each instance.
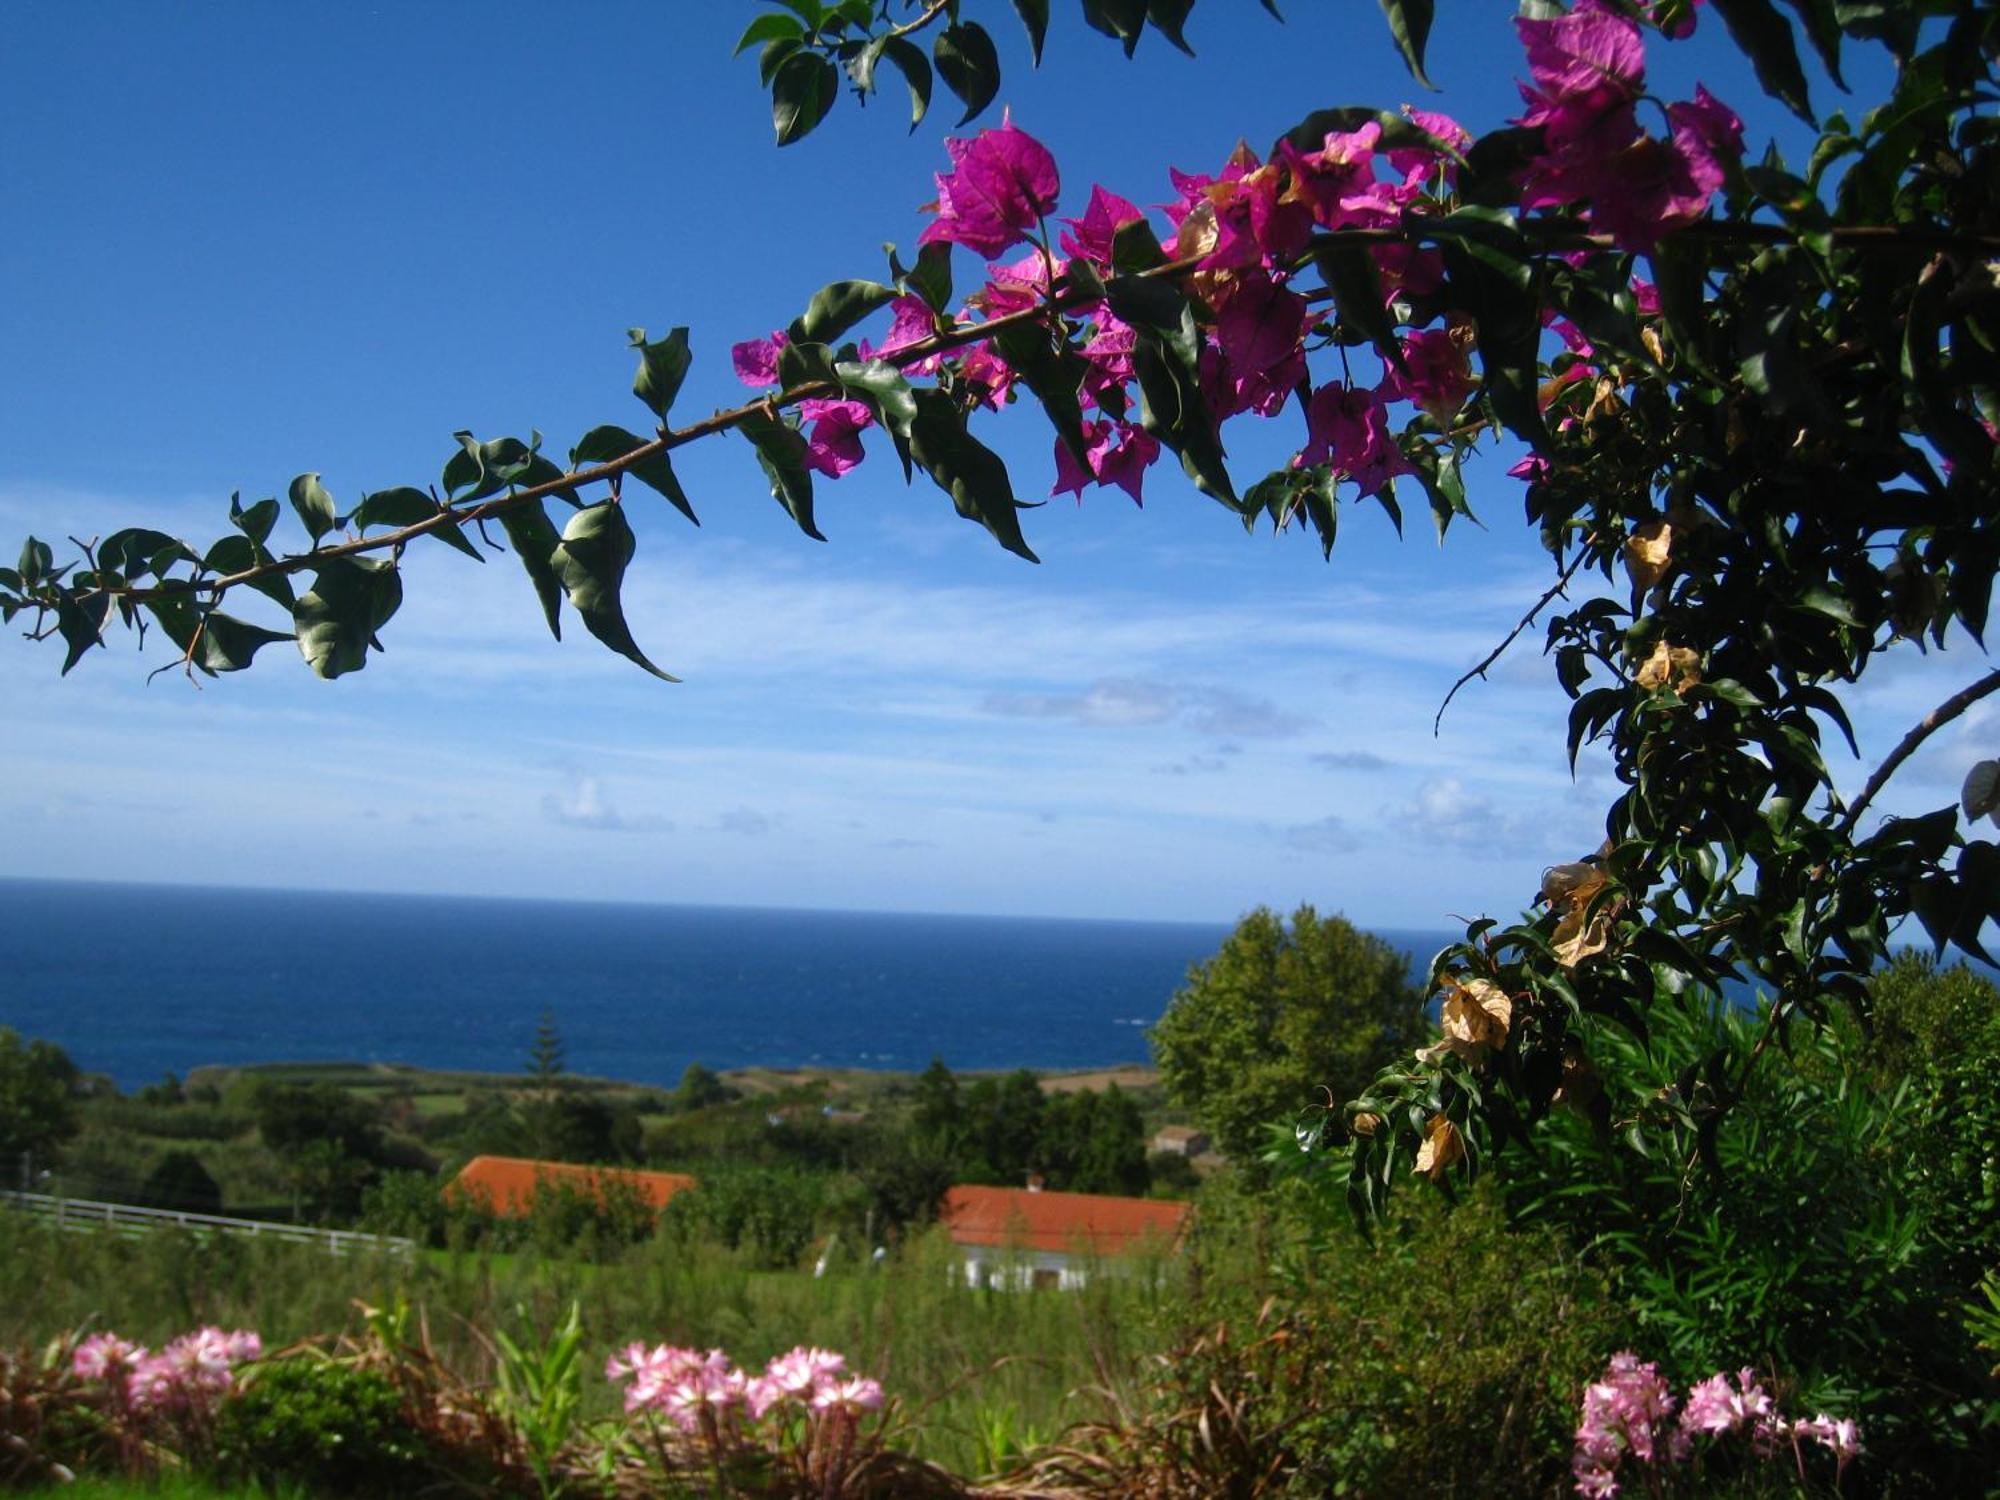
(136, 981)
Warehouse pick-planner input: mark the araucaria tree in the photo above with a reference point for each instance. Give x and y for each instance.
(1758, 398)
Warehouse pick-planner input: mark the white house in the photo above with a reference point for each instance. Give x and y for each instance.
(1024, 1237)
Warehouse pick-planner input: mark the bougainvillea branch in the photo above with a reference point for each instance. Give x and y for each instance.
(1760, 404)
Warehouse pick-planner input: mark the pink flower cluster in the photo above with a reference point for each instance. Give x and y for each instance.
(190, 1375)
(1248, 228)
(1629, 1414)
(697, 1391)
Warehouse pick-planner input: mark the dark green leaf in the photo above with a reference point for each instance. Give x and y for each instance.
(1055, 376)
(534, 540)
(1121, 19)
(590, 562)
(1135, 248)
(257, 521)
(406, 506)
(889, 396)
(966, 469)
(837, 307)
(969, 65)
(773, 55)
(662, 368)
(314, 505)
(138, 550)
(916, 70)
(1169, 17)
(238, 554)
(1174, 409)
(1034, 15)
(1410, 26)
(1492, 277)
(601, 445)
(782, 452)
(929, 278)
(80, 624)
(228, 644)
(350, 599)
(802, 91)
(767, 28)
(1766, 38)
(1350, 274)
(1822, 25)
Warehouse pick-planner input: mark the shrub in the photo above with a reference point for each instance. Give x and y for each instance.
(337, 1427)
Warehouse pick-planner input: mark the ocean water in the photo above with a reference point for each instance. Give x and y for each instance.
(136, 981)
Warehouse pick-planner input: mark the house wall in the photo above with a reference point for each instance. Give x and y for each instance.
(1022, 1270)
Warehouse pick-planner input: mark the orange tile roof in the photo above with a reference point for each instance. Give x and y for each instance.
(1059, 1221)
(506, 1184)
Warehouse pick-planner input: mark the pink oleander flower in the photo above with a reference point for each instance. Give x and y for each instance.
(106, 1357)
(1843, 1437)
(1437, 374)
(1714, 1407)
(1258, 334)
(833, 439)
(756, 360)
(852, 1395)
(1117, 453)
(1002, 183)
(1106, 214)
(1624, 1415)
(1348, 427)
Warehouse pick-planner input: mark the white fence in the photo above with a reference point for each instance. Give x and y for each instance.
(127, 1218)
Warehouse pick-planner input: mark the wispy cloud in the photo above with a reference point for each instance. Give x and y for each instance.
(744, 821)
(1329, 835)
(584, 806)
(1125, 703)
(1349, 760)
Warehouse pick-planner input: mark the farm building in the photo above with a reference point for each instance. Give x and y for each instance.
(1025, 1237)
(1180, 1140)
(506, 1185)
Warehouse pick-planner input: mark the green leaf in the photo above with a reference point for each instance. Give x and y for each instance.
(81, 625)
(1054, 375)
(768, 28)
(916, 70)
(662, 368)
(406, 506)
(1173, 408)
(257, 521)
(803, 365)
(1168, 18)
(1135, 248)
(888, 394)
(596, 546)
(969, 65)
(601, 445)
(782, 452)
(138, 550)
(336, 619)
(314, 505)
(837, 307)
(966, 469)
(1123, 20)
(534, 540)
(1822, 24)
(228, 644)
(239, 554)
(1034, 15)
(929, 278)
(1350, 274)
(1766, 38)
(802, 91)
(1492, 277)
(1410, 26)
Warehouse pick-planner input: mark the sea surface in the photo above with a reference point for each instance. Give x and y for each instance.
(136, 981)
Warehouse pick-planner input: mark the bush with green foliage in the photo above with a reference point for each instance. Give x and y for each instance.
(337, 1428)
(37, 1101)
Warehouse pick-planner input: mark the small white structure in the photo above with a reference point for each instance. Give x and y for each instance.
(1021, 1238)
(1179, 1140)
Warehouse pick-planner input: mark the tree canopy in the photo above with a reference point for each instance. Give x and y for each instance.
(1758, 395)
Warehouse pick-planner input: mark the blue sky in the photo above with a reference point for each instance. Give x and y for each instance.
(246, 241)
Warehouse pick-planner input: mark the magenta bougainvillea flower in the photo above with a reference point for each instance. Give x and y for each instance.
(1437, 374)
(833, 445)
(1018, 285)
(1348, 427)
(1257, 334)
(1107, 358)
(756, 360)
(1092, 234)
(1408, 161)
(1119, 454)
(911, 322)
(1584, 64)
(1004, 181)
(990, 377)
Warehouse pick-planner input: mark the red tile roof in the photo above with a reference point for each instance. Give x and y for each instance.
(506, 1184)
(1060, 1221)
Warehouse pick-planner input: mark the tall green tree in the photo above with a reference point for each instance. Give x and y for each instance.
(1284, 1018)
(37, 1101)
